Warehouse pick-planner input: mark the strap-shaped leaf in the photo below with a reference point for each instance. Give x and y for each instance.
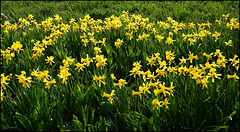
(24, 121)
(77, 124)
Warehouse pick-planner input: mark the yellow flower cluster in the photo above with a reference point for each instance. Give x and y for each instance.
(64, 74)
(26, 81)
(148, 75)
(132, 24)
(121, 83)
(43, 75)
(118, 43)
(137, 28)
(233, 24)
(100, 79)
(3, 81)
(109, 96)
(100, 61)
(200, 73)
(10, 51)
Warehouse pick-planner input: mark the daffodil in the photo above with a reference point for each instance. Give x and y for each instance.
(100, 79)
(221, 62)
(103, 42)
(161, 72)
(169, 41)
(163, 89)
(16, 46)
(129, 34)
(155, 84)
(50, 60)
(229, 43)
(216, 35)
(2, 92)
(7, 54)
(156, 57)
(150, 61)
(219, 21)
(192, 41)
(159, 38)
(100, 61)
(43, 76)
(97, 50)
(156, 104)
(204, 81)
(191, 25)
(72, 20)
(113, 77)
(170, 56)
(235, 77)
(93, 41)
(172, 69)
(183, 61)
(191, 56)
(214, 75)
(162, 64)
(121, 83)
(137, 64)
(64, 74)
(118, 43)
(165, 102)
(26, 81)
(87, 61)
(47, 84)
(234, 61)
(109, 96)
(182, 70)
(145, 88)
(225, 16)
(68, 61)
(3, 81)
(135, 71)
(79, 66)
(209, 56)
(137, 93)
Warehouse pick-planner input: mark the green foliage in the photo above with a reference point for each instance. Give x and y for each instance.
(24, 121)
(181, 11)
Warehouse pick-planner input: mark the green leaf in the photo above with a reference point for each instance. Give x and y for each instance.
(229, 117)
(91, 127)
(206, 99)
(150, 124)
(219, 115)
(92, 117)
(24, 121)
(77, 124)
(83, 114)
(219, 128)
(105, 108)
(102, 124)
(151, 120)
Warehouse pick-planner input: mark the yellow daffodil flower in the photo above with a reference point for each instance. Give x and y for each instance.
(137, 93)
(235, 77)
(3, 81)
(26, 81)
(50, 60)
(109, 96)
(47, 84)
(79, 66)
(100, 79)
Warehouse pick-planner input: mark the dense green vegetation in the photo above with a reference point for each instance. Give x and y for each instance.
(153, 66)
(181, 11)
